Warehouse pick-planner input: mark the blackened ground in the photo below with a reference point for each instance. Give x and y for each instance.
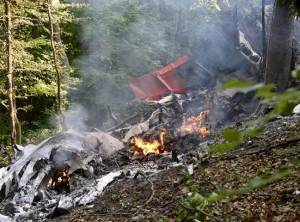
(135, 200)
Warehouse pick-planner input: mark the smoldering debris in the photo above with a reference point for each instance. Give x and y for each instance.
(70, 148)
(49, 164)
(72, 169)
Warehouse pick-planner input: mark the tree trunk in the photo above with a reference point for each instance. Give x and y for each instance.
(10, 91)
(55, 61)
(264, 37)
(61, 54)
(279, 55)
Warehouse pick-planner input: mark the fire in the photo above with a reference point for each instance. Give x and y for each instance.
(190, 125)
(195, 124)
(143, 147)
(60, 180)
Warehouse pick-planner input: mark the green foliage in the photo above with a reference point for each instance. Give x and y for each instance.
(37, 136)
(282, 103)
(237, 84)
(34, 74)
(40, 88)
(6, 158)
(266, 91)
(233, 138)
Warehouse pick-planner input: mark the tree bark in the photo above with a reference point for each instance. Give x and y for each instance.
(279, 54)
(61, 53)
(264, 37)
(55, 61)
(10, 91)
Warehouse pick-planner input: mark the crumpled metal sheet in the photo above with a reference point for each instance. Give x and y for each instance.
(4, 218)
(34, 162)
(98, 189)
(297, 110)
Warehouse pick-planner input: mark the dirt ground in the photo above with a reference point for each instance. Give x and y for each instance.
(160, 197)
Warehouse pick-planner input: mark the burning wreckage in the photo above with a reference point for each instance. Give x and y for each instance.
(72, 169)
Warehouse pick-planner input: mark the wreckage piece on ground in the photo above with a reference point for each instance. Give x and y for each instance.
(51, 162)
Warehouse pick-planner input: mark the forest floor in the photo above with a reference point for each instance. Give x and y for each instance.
(273, 194)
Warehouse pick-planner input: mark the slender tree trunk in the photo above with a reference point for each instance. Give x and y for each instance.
(279, 55)
(10, 91)
(55, 60)
(18, 125)
(61, 54)
(264, 37)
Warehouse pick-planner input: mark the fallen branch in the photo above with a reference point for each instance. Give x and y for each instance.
(152, 187)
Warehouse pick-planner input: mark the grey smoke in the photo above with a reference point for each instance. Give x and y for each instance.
(76, 118)
(142, 43)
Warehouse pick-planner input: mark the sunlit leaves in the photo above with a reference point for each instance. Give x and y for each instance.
(41, 88)
(237, 84)
(266, 91)
(242, 86)
(233, 139)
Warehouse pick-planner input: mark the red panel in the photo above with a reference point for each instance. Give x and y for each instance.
(174, 65)
(153, 86)
(148, 87)
(173, 82)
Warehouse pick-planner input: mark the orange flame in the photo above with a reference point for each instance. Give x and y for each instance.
(195, 124)
(143, 147)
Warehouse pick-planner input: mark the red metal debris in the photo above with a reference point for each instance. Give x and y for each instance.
(154, 85)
